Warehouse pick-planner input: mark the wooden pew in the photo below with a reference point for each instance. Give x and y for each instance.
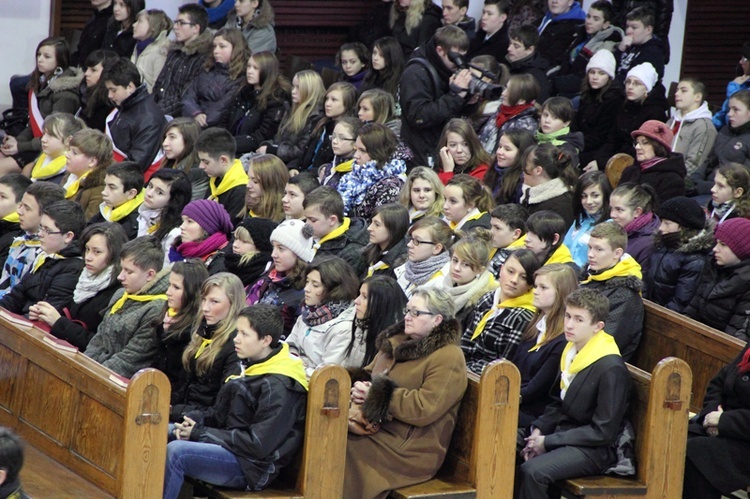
(321, 474)
(481, 458)
(659, 413)
(66, 406)
(669, 334)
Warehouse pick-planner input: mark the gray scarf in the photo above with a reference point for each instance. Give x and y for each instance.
(418, 273)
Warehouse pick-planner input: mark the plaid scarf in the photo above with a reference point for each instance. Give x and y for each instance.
(320, 314)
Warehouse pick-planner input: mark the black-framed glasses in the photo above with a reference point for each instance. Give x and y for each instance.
(415, 313)
(417, 242)
(340, 138)
(180, 22)
(48, 232)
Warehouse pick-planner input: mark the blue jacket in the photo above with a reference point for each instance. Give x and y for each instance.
(577, 240)
(720, 118)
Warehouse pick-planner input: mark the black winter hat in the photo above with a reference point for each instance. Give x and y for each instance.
(684, 211)
(260, 230)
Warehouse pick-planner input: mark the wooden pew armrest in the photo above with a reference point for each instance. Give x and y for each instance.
(605, 485)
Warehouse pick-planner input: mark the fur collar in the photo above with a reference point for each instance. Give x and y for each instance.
(629, 282)
(691, 241)
(70, 79)
(200, 45)
(397, 345)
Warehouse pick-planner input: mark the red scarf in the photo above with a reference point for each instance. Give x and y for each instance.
(203, 249)
(744, 364)
(507, 112)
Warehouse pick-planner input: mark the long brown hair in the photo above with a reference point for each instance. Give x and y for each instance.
(194, 273)
(273, 85)
(272, 175)
(240, 52)
(62, 57)
(463, 129)
(564, 280)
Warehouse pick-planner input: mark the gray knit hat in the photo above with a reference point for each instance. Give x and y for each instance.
(297, 236)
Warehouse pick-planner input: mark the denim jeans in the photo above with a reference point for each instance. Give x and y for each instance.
(207, 462)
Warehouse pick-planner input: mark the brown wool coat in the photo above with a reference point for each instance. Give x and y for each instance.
(419, 384)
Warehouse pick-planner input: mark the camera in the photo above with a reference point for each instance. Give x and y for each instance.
(477, 86)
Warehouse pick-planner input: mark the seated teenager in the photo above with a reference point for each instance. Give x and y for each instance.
(204, 233)
(122, 196)
(251, 249)
(422, 194)
(538, 355)
(151, 33)
(544, 236)
(25, 248)
(353, 59)
(411, 391)
(428, 241)
(682, 247)
(558, 29)
(228, 180)
(492, 36)
(343, 138)
(50, 165)
(178, 144)
(12, 188)
(722, 296)
(523, 58)
(508, 228)
(459, 151)
(591, 206)
(78, 322)
(467, 203)
(174, 333)
(387, 244)
(267, 177)
(136, 125)
(616, 275)
(95, 104)
(296, 190)
(256, 426)
(554, 127)
(578, 439)
(640, 45)
(549, 172)
(505, 178)
(385, 70)
(119, 34)
(283, 284)
(741, 82)
(379, 305)
(631, 206)
(454, 12)
(694, 132)
(517, 111)
(209, 357)
(255, 19)
(730, 194)
(125, 341)
(378, 106)
(88, 157)
(216, 13)
(333, 233)
(501, 316)
(55, 270)
(322, 331)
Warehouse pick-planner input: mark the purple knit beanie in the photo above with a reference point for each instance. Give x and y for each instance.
(210, 215)
(735, 233)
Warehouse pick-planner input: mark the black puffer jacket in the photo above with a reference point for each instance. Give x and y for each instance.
(290, 146)
(536, 66)
(137, 128)
(595, 119)
(676, 265)
(666, 177)
(251, 125)
(431, 21)
(211, 93)
(53, 282)
(722, 298)
(732, 145)
(349, 246)
(85, 318)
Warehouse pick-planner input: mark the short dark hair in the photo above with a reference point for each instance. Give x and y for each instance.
(197, 14)
(336, 276)
(526, 34)
(561, 108)
(45, 193)
(129, 173)
(328, 200)
(145, 251)
(592, 301)
(306, 181)
(216, 142)
(67, 215)
(605, 8)
(503, 6)
(513, 215)
(265, 320)
(122, 73)
(17, 182)
(698, 87)
(642, 14)
(11, 453)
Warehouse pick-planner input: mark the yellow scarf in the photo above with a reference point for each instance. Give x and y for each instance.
(625, 267)
(344, 167)
(337, 232)
(234, 177)
(205, 344)
(12, 218)
(560, 255)
(72, 189)
(42, 257)
(44, 169)
(171, 312)
(140, 298)
(122, 211)
(600, 345)
(525, 301)
(474, 214)
(381, 265)
(518, 243)
(281, 363)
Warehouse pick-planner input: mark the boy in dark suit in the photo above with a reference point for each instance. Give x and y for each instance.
(575, 436)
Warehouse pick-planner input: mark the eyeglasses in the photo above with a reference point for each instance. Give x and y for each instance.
(415, 313)
(642, 144)
(341, 139)
(417, 242)
(48, 232)
(180, 22)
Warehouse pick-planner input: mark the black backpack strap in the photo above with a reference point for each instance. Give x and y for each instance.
(430, 69)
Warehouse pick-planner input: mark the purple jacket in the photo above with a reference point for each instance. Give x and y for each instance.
(641, 243)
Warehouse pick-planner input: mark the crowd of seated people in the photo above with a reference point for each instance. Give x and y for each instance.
(183, 205)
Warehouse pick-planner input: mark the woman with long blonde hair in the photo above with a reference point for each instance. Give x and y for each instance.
(422, 194)
(210, 358)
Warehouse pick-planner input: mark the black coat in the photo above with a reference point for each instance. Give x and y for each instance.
(251, 125)
(248, 272)
(536, 66)
(129, 223)
(169, 351)
(420, 34)
(211, 93)
(92, 36)
(720, 459)
(662, 10)
(676, 266)
(562, 205)
(349, 246)
(290, 146)
(53, 282)
(557, 37)
(319, 150)
(121, 42)
(595, 119)
(496, 46)
(538, 369)
(8, 231)
(666, 177)
(722, 298)
(137, 128)
(732, 145)
(85, 318)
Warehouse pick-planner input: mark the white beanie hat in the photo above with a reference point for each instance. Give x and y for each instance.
(297, 237)
(603, 59)
(646, 74)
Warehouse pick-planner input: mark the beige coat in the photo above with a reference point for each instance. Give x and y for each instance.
(417, 386)
(152, 59)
